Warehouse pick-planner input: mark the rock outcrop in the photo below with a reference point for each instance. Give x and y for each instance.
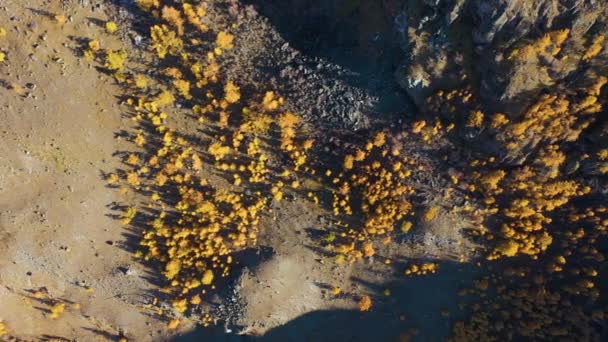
(508, 51)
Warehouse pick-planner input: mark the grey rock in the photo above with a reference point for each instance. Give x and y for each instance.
(439, 55)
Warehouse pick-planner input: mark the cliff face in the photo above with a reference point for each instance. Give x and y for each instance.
(508, 51)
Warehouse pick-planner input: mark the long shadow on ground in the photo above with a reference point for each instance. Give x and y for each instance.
(423, 307)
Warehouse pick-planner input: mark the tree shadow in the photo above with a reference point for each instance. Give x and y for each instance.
(47, 337)
(321, 325)
(353, 43)
(108, 336)
(42, 12)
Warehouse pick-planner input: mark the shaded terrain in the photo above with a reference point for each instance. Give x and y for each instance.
(349, 170)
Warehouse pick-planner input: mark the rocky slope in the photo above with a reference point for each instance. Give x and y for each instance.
(473, 42)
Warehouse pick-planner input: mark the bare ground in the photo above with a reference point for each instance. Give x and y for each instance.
(59, 128)
(58, 122)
